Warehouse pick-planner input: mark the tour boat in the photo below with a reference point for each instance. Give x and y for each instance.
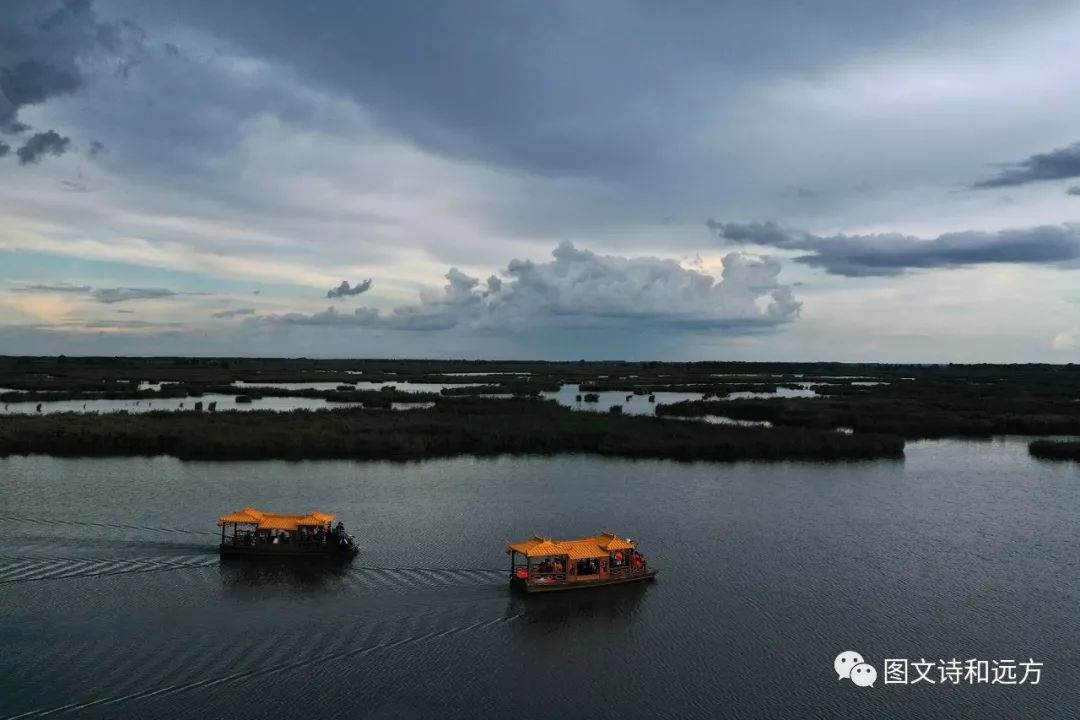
(265, 534)
(596, 561)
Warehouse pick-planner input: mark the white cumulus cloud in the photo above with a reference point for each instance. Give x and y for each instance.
(580, 288)
(1066, 339)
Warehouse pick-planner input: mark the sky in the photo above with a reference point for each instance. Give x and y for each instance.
(851, 180)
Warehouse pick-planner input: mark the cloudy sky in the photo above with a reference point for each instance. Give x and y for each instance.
(847, 180)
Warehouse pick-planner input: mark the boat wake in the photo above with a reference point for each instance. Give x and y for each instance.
(21, 569)
(265, 670)
(114, 526)
(418, 578)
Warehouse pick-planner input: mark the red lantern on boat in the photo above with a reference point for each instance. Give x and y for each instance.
(522, 574)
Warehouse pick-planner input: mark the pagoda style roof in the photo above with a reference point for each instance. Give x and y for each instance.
(597, 546)
(275, 521)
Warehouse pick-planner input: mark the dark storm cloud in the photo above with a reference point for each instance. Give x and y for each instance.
(344, 290)
(1057, 164)
(42, 144)
(41, 44)
(115, 295)
(30, 82)
(893, 253)
(4, 149)
(557, 87)
(1074, 190)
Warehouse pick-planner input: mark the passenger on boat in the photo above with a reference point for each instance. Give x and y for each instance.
(586, 567)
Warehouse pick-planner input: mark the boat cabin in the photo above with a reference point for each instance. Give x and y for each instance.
(541, 564)
(253, 532)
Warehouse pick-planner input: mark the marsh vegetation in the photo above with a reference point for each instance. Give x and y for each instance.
(878, 404)
(452, 427)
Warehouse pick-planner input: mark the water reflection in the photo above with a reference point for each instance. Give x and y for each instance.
(188, 403)
(603, 607)
(631, 404)
(570, 396)
(256, 576)
(400, 385)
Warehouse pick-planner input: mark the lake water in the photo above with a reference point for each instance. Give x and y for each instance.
(781, 392)
(224, 402)
(113, 603)
(640, 405)
(409, 387)
(636, 405)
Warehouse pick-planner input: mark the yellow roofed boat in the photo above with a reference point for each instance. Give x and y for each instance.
(251, 532)
(541, 564)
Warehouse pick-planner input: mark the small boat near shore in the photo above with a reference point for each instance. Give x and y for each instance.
(547, 565)
(264, 534)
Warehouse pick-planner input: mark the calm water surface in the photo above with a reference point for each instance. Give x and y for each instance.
(113, 603)
(224, 402)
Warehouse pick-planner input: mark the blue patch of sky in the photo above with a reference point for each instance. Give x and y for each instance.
(19, 267)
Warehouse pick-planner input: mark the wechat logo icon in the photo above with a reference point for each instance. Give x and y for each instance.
(850, 665)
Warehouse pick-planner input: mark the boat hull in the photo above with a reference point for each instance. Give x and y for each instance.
(521, 585)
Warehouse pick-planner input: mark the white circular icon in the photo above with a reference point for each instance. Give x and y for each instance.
(864, 675)
(845, 661)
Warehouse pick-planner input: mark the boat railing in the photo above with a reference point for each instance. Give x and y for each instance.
(626, 571)
(547, 577)
(250, 540)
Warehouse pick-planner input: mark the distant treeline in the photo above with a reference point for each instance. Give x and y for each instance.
(453, 427)
(109, 373)
(1055, 449)
(344, 394)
